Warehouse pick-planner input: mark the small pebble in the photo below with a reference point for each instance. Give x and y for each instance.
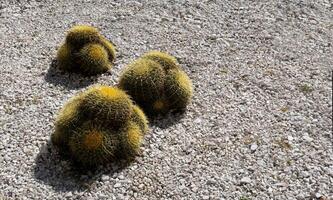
(254, 147)
(245, 180)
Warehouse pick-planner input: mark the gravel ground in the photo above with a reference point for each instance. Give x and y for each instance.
(259, 126)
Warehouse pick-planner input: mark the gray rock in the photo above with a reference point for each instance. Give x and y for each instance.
(245, 180)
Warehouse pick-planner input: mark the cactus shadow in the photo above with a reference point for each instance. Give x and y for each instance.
(165, 121)
(73, 80)
(63, 175)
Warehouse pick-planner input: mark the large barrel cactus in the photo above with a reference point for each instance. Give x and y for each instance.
(99, 125)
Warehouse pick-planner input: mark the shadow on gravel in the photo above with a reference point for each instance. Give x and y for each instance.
(68, 80)
(168, 120)
(61, 174)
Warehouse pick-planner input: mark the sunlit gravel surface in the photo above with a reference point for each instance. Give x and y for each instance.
(259, 125)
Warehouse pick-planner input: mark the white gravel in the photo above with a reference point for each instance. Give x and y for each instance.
(259, 126)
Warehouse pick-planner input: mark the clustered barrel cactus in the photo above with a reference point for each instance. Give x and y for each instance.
(102, 124)
(157, 83)
(99, 125)
(85, 51)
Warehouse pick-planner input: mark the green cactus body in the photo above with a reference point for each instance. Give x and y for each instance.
(93, 59)
(66, 58)
(92, 144)
(67, 119)
(157, 83)
(178, 89)
(85, 51)
(109, 48)
(143, 80)
(130, 138)
(94, 125)
(109, 104)
(81, 35)
(165, 60)
(160, 105)
(139, 118)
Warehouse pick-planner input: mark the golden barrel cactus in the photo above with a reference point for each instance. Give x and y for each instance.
(157, 83)
(100, 125)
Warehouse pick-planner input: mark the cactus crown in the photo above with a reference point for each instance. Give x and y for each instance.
(157, 83)
(85, 51)
(98, 124)
(159, 105)
(96, 51)
(93, 139)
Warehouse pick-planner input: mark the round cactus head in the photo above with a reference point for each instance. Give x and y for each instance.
(93, 144)
(130, 138)
(139, 118)
(178, 89)
(143, 80)
(108, 104)
(165, 60)
(109, 48)
(80, 35)
(93, 59)
(67, 119)
(66, 58)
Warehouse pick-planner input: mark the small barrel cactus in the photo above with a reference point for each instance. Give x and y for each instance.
(157, 83)
(99, 125)
(85, 51)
